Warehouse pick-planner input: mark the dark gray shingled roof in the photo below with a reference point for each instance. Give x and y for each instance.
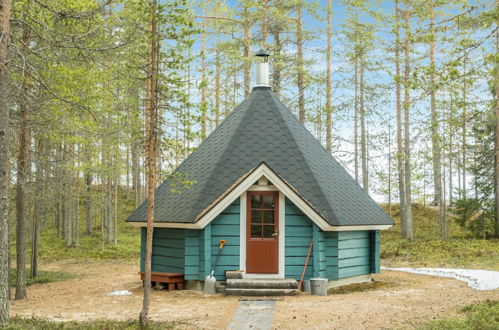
(262, 130)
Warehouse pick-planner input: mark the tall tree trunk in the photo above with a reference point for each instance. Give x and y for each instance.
(329, 109)
(389, 167)
(217, 84)
(451, 151)
(299, 61)
(151, 117)
(496, 99)
(88, 197)
(246, 50)
(356, 119)
(407, 164)
(264, 26)
(363, 138)
(204, 83)
(4, 159)
(38, 209)
(276, 65)
(463, 130)
(76, 228)
(23, 169)
(435, 133)
(400, 141)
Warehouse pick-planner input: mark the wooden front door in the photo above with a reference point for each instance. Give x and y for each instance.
(262, 232)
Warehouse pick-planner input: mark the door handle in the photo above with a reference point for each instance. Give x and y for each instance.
(275, 234)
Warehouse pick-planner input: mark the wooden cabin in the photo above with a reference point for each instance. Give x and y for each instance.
(264, 184)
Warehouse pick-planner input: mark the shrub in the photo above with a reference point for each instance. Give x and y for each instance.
(475, 215)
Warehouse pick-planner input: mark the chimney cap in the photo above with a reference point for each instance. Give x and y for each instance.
(262, 53)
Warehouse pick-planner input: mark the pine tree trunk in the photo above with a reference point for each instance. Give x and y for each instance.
(246, 45)
(276, 74)
(356, 119)
(204, 83)
(4, 159)
(217, 84)
(389, 167)
(496, 171)
(407, 159)
(400, 141)
(463, 131)
(88, 197)
(363, 138)
(329, 109)
(299, 61)
(151, 115)
(264, 26)
(76, 228)
(451, 151)
(38, 208)
(23, 169)
(435, 135)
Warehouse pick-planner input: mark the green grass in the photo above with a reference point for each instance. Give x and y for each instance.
(361, 287)
(481, 316)
(460, 250)
(43, 277)
(38, 323)
(53, 248)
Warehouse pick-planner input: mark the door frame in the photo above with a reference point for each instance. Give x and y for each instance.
(281, 237)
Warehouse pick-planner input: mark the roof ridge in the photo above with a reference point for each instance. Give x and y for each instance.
(281, 106)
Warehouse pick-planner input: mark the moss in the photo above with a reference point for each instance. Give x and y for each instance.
(428, 250)
(361, 287)
(481, 316)
(43, 277)
(39, 323)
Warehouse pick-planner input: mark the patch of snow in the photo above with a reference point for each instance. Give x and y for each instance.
(119, 293)
(476, 279)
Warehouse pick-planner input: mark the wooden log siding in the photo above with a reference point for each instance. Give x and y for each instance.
(331, 251)
(167, 250)
(335, 255)
(353, 253)
(375, 253)
(226, 226)
(193, 249)
(201, 246)
(299, 234)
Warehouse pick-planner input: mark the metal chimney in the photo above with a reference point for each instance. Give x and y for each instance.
(262, 68)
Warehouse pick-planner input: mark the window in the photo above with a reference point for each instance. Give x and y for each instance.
(263, 214)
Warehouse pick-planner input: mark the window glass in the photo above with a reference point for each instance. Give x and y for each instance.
(268, 231)
(268, 201)
(256, 201)
(268, 216)
(256, 216)
(256, 231)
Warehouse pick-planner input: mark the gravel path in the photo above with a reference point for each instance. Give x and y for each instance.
(410, 300)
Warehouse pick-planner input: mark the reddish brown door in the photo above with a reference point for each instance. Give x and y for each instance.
(262, 232)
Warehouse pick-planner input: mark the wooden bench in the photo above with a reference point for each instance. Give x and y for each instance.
(172, 279)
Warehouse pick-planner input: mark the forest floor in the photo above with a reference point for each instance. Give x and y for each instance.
(402, 300)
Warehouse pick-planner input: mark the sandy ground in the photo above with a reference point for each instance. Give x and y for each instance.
(411, 300)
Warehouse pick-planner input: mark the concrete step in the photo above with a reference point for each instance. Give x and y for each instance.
(248, 283)
(260, 292)
(234, 274)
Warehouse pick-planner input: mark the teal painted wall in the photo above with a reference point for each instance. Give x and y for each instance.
(299, 234)
(354, 253)
(331, 252)
(335, 255)
(201, 246)
(225, 226)
(168, 249)
(375, 253)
